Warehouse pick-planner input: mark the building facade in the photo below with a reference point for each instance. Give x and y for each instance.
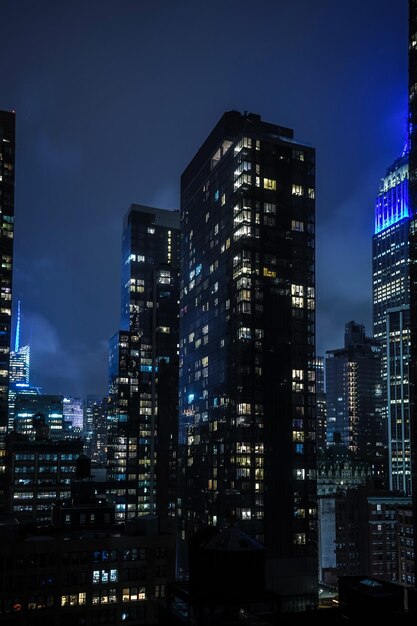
(353, 398)
(28, 405)
(149, 340)
(412, 119)
(321, 410)
(391, 317)
(7, 164)
(84, 574)
(95, 429)
(247, 322)
(367, 531)
(38, 473)
(19, 370)
(405, 538)
(73, 411)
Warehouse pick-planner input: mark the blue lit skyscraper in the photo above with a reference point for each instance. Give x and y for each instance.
(19, 370)
(391, 316)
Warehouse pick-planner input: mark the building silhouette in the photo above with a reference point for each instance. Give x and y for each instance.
(27, 405)
(82, 568)
(95, 429)
(7, 164)
(321, 410)
(391, 316)
(247, 377)
(353, 397)
(148, 340)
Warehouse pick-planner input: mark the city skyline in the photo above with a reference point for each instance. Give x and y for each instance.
(95, 133)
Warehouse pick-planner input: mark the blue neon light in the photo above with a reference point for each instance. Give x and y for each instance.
(190, 398)
(392, 207)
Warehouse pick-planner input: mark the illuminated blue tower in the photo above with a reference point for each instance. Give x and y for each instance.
(391, 316)
(19, 370)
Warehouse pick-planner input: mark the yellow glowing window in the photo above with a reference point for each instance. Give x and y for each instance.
(297, 435)
(270, 183)
(269, 273)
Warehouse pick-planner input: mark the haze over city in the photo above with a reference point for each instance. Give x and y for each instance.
(111, 101)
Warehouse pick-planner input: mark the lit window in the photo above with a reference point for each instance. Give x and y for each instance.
(297, 436)
(297, 226)
(297, 302)
(297, 190)
(298, 154)
(244, 333)
(270, 183)
(299, 474)
(270, 208)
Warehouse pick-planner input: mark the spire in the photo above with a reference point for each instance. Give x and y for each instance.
(17, 336)
(406, 148)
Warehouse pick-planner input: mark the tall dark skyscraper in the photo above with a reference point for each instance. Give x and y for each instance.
(7, 158)
(147, 342)
(321, 409)
(353, 396)
(391, 316)
(247, 346)
(412, 160)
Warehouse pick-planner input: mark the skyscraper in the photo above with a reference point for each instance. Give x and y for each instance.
(353, 397)
(149, 319)
(20, 365)
(247, 343)
(73, 413)
(19, 369)
(321, 411)
(95, 428)
(412, 160)
(7, 157)
(391, 317)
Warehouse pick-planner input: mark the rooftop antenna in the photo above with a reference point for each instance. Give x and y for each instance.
(406, 148)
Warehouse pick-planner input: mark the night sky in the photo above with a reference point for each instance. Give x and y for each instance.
(113, 98)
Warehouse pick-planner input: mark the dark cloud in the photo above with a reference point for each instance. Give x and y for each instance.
(112, 100)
